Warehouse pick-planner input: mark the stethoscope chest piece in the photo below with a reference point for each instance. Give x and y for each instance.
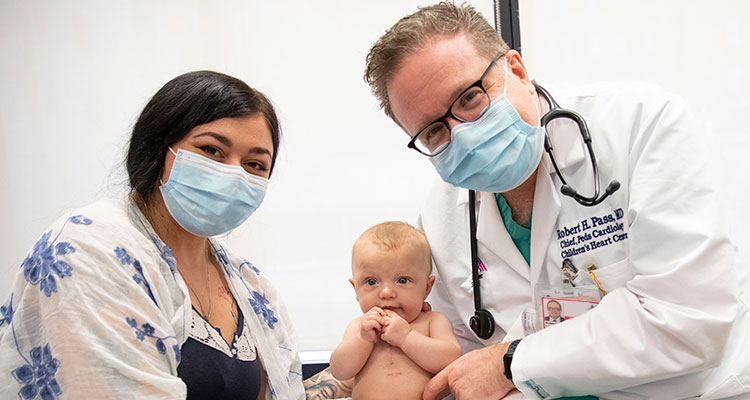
(482, 323)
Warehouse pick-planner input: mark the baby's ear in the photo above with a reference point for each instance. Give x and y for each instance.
(351, 280)
(430, 282)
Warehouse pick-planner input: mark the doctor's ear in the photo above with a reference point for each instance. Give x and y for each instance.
(518, 69)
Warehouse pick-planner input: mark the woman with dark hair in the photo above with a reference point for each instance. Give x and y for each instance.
(135, 298)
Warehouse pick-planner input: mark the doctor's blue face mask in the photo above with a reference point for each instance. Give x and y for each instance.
(495, 153)
(208, 198)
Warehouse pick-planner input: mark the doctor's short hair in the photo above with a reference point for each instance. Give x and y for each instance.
(392, 235)
(189, 100)
(412, 32)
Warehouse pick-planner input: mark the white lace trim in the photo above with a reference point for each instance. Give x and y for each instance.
(203, 332)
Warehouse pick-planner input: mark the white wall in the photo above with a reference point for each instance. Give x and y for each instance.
(75, 75)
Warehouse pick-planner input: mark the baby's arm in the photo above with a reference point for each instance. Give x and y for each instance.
(359, 338)
(433, 352)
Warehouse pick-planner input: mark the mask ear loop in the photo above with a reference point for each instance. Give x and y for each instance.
(175, 154)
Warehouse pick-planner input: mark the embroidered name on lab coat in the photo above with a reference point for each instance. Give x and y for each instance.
(592, 233)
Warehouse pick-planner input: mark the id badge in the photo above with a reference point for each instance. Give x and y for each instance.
(557, 304)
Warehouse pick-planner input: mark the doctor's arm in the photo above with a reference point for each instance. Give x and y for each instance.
(462, 375)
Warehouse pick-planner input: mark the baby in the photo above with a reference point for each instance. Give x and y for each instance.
(394, 348)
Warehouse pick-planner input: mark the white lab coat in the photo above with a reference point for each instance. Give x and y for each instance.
(675, 323)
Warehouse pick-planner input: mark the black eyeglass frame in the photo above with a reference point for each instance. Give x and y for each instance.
(449, 113)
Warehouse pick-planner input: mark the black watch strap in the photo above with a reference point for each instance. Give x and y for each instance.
(508, 358)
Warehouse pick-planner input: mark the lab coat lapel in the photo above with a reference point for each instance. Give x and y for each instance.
(544, 217)
(491, 235)
(570, 154)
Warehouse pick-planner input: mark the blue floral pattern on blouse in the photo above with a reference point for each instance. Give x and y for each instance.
(6, 312)
(138, 277)
(165, 253)
(250, 265)
(41, 266)
(80, 219)
(38, 376)
(259, 301)
(146, 330)
(223, 258)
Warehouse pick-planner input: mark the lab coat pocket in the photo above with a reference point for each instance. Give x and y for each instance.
(615, 275)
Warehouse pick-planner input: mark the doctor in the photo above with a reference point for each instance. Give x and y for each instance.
(673, 321)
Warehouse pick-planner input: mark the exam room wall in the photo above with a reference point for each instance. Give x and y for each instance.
(75, 75)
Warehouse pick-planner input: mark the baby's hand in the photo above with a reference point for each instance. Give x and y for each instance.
(371, 324)
(395, 330)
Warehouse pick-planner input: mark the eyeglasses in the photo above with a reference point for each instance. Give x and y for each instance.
(467, 107)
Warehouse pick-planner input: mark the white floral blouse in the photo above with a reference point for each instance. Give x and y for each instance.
(98, 309)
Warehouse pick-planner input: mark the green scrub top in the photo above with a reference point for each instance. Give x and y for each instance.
(522, 239)
(521, 236)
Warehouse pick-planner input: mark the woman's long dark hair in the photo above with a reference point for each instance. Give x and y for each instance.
(189, 100)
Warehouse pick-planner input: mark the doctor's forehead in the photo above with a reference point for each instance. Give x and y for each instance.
(429, 79)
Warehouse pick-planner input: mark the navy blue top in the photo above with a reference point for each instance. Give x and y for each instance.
(211, 374)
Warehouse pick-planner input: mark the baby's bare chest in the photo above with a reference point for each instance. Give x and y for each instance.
(390, 372)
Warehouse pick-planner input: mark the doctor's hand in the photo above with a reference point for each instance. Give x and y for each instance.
(396, 329)
(371, 324)
(478, 374)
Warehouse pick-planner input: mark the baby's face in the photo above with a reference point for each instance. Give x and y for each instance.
(397, 280)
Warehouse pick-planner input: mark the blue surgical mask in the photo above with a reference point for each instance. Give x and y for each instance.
(208, 198)
(495, 153)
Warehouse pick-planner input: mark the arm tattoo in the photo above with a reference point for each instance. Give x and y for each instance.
(324, 386)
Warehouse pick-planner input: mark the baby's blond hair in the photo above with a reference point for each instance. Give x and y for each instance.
(391, 235)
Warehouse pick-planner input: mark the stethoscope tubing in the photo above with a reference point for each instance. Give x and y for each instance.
(554, 113)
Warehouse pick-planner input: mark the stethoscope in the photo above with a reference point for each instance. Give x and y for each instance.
(482, 322)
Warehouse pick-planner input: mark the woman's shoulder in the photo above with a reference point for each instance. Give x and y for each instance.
(96, 227)
(101, 214)
(102, 230)
(104, 213)
(100, 242)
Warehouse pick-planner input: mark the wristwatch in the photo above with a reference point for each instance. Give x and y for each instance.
(508, 358)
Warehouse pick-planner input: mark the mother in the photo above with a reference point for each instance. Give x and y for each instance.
(133, 297)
